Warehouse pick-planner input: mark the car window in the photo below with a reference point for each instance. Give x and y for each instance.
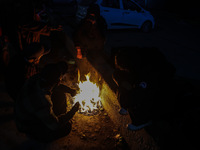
(129, 5)
(111, 3)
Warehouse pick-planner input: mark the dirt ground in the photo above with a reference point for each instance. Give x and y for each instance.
(88, 133)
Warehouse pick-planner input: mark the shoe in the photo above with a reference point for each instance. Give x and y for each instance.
(121, 142)
(134, 128)
(123, 111)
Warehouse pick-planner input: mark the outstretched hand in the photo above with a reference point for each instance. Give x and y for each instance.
(75, 108)
(65, 118)
(73, 92)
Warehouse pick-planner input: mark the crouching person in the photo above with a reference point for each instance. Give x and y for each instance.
(34, 108)
(144, 80)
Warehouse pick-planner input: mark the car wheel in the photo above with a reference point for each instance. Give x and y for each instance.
(146, 27)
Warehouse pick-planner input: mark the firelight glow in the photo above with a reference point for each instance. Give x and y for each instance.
(89, 97)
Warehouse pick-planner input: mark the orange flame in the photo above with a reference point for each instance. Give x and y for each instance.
(89, 96)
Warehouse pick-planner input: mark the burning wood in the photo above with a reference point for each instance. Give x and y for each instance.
(88, 96)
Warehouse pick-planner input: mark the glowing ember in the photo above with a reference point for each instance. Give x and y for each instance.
(89, 97)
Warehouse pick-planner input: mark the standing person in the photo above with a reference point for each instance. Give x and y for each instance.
(90, 33)
(34, 108)
(23, 66)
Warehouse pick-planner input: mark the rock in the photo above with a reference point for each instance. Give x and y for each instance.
(101, 109)
(105, 114)
(73, 129)
(83, 136)
(94, 138)
(96, 130)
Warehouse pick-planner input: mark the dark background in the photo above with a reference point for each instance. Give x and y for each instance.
(176, 35)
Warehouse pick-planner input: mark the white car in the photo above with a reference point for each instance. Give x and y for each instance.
(122, 14)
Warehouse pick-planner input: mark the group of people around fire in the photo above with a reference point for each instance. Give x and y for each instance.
(39, 98)
(143, 76)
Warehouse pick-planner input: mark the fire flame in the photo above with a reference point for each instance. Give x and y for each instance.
(88, 96)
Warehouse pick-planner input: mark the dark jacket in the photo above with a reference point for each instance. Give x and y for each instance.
(17, 72)
(34, 109)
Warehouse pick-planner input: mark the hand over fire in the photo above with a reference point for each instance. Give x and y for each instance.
(75, 108)
(73, 92)
(66, 117)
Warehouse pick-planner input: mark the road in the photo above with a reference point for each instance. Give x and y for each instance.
(177, 39)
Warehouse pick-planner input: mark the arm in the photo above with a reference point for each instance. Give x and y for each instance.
(66, 89)
(44, 112)
(66, 117)
(53, 122)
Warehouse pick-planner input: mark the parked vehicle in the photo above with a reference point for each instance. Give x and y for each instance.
(121, 14)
